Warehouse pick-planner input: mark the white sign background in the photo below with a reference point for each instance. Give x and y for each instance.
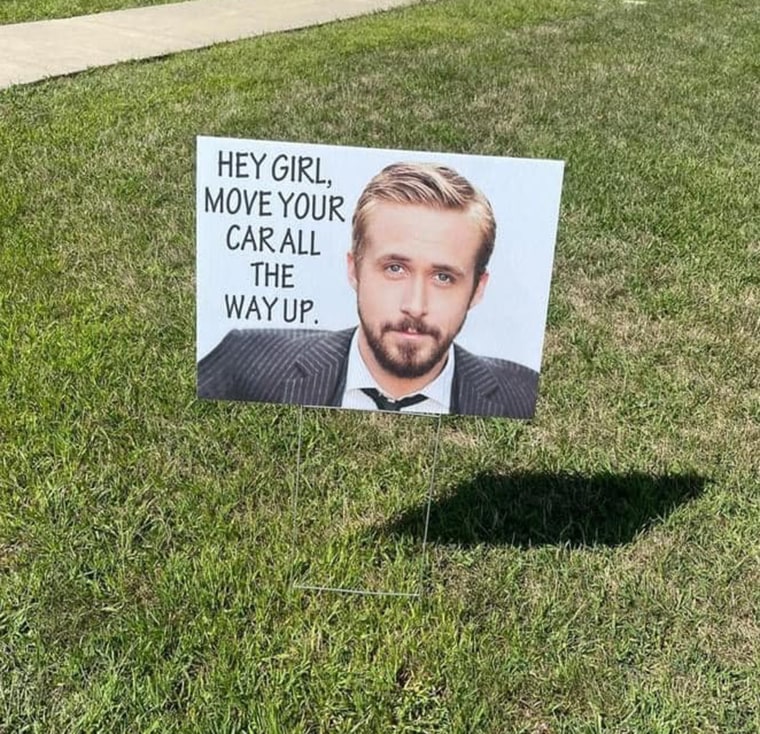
(508, 323)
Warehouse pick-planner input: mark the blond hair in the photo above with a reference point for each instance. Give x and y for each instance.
(434, 186)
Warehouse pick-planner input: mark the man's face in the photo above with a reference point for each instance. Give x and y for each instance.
(415, 283)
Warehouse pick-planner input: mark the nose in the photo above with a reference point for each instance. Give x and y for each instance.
(415, 298)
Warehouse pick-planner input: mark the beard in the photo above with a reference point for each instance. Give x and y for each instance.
(406, 361)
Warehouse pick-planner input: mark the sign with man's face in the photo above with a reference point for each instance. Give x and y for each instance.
(372, 279)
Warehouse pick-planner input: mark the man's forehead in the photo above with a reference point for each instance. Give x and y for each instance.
(443, 236)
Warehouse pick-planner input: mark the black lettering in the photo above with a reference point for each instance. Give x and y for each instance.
(234, 201)
(294, 309)
(306, 306)
(302, 206)
(233, 244)
(233, 305)
(264, 200)
(231, 201)
(224, 161)
(253, 309)
(213, 203)
(336, 202)
(272, 275)
(262, 308)
(313, 251)
(257, 162)
(251, 239)
(288, 243)
(235, 165)
(297, 169)
(270, 305)
(312, 206)
(290, 317)
(241, 163)
(285, 202)
(305, 164)
(295, 242)
(265, 233)
(280, 168)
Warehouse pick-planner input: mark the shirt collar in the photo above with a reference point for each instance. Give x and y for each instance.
(437, 390)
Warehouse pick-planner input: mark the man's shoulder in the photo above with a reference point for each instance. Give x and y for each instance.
(510, 370)
(274, 365)
(494, 365)
(493, 386)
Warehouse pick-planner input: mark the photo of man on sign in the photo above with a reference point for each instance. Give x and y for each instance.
(422, 238)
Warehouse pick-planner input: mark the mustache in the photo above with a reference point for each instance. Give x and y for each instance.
(410, 324)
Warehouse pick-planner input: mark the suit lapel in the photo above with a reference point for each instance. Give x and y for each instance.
(474, 386)
(318, 370)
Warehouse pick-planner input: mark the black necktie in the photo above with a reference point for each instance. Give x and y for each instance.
(384, 403)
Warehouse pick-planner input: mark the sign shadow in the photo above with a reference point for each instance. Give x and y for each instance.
(529, 509)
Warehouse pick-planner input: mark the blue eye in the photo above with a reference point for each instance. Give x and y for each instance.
(444, 278)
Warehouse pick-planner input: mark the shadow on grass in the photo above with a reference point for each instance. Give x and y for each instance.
(528, 509)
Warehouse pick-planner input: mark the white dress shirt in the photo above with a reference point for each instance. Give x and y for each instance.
(437, 392)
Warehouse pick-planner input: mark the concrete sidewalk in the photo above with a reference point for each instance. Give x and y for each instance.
(33, 51)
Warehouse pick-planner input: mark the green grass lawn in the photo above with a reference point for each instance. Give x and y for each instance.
(595, 570)
(22, 11)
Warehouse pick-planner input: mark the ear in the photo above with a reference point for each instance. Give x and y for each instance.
(480, 288)
(353, 278)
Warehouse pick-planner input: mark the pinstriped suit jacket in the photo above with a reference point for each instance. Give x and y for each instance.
(308, 368)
